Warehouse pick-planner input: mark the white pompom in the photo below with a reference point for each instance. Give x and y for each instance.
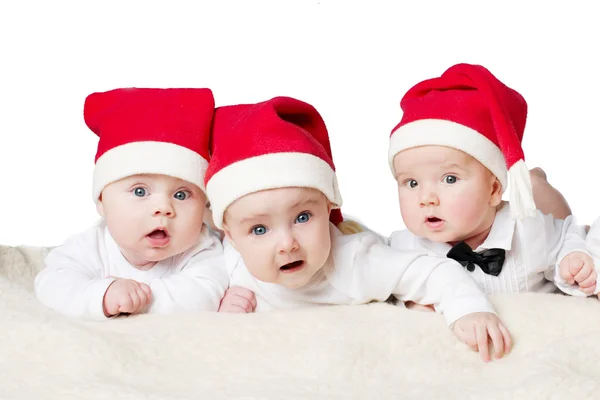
(521, 194)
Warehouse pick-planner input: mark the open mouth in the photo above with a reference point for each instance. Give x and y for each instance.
(434, 223)
(158, 234)
(158, 237)
(293, 266)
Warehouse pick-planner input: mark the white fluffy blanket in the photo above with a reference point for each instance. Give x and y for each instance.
(362, 352)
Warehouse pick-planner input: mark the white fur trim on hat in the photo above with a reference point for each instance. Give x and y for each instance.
(450, 134)
(148, 158)
(520, 193)
(270, 171)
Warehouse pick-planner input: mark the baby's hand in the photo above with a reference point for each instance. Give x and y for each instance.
(238, 300)
(419, 307)
(476, 329)
(579, 267)
(126, 296)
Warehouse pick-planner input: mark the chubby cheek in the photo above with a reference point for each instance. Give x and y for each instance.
(318, 247)
(409, 210)
(192, 211)
(199, 214)
(257, 260)
(192, 221)
(465, 209)
(124, 227)
(187, 226)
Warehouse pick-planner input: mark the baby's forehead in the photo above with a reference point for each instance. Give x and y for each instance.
(451, 155)
(161, 179)
(432, 156)
(272, 201)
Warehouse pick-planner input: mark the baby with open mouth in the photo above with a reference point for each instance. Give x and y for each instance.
(273, 191)
(453, 155)
(150, 252)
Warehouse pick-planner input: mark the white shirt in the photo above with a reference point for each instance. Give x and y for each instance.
(78, 273)
(361, 269)
(534, 249)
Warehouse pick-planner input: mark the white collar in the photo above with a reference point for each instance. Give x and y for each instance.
(503, 230)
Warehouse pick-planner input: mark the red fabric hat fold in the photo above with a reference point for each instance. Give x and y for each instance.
(469, 109)
(150, 131)
(282, 142)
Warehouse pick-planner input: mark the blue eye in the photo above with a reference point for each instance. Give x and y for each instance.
(139, 192)
(303, 218)
(412, 183)
(259, 230)
(181, 195)
(450, 179)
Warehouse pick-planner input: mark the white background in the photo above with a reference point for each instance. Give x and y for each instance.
(352, 60)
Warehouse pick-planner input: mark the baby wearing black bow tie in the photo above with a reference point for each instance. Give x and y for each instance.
(453, 154)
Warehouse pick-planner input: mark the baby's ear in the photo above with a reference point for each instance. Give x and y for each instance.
(228, 234)
(496, 195)
(100, 207)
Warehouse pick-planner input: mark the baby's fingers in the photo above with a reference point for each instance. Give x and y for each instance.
(565, 272)
(482, 342)
(135, 302)
(243, 293)
(232, 308)
(584, 273)
(589, 290)
(241, 302)
(497, 340)
(576, 264)
(588, 285)
(144, 300)
(146, 289)
(507, 338)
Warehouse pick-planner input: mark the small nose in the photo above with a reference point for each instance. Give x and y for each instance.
(164, 207)
(429, 198)
(287, 242)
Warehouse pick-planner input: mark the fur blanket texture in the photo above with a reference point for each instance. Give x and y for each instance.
(375, 351)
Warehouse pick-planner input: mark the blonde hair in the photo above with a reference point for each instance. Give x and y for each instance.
(349, 227)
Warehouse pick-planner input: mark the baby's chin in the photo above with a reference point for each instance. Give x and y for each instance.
(441, 237)
(295, 284)
(158, 255)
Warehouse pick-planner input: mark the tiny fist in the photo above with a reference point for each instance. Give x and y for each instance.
(567, 276)
(575, 265)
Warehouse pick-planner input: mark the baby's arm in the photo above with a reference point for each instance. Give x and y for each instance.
(72, 282)
(452, 291)
(198, 285)
(572, 268)
(379, 270)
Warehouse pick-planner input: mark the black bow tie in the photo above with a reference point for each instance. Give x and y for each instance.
(490, 261)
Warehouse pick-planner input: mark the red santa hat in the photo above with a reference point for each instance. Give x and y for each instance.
(150, 131)
(469, 109)
(282, 142)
